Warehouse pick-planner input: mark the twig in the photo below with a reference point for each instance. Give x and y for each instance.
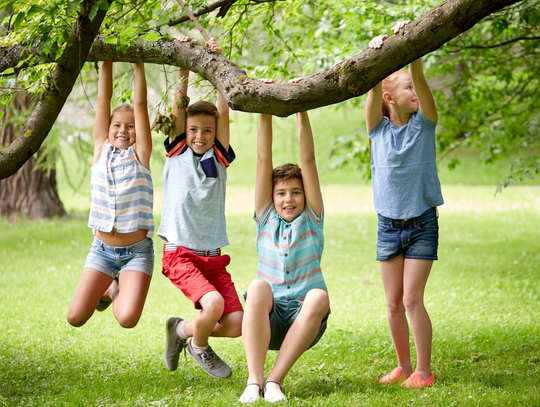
(194, 19)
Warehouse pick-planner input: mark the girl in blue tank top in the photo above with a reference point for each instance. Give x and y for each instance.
(401, 118)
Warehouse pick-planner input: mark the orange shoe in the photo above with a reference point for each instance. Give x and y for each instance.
(416, 382)
(394, 376)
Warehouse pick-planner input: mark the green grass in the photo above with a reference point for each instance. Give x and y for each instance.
(483, 297)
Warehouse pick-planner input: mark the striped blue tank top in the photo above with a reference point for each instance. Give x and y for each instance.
(122, 193)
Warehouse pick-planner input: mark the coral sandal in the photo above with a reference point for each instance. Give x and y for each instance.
(394, 376)
(416, 382)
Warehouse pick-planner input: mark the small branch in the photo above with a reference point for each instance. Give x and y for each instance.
(495, 45)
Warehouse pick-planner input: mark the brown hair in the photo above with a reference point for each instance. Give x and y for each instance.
(286, 172)
(124, 107)
(389, 85)
(202, 107)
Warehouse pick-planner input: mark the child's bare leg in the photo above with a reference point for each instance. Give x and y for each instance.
(256, 329)
(416, 274)
(301, 334)
(90, 288)
(229, 326)
(128, 303)
(212, 309)
(392, 278)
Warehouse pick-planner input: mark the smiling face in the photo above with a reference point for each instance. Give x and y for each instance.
(200, 132)
(404, 95)
(289, 199)
(122, 129)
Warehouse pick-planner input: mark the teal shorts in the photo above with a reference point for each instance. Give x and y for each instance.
(282, 316)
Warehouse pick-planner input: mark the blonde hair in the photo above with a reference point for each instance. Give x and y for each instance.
(124, 107)
(389, 85)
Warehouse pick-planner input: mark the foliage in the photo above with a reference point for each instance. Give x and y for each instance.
(485, 81)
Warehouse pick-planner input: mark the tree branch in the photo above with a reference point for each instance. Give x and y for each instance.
(348, 79)
(57, 90)
(494, 45)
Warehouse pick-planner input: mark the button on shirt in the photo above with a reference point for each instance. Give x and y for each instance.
(290, 253)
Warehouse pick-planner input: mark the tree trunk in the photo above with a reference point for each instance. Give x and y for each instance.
(30, 192)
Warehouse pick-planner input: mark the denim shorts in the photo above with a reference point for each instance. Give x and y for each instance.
(113, 260)
(415, 238)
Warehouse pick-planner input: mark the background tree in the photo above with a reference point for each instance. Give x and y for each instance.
(279, 38)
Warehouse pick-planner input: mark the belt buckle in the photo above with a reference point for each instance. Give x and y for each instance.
(405, 220)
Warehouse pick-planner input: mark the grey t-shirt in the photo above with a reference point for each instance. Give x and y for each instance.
(403, 167)
(194, 196)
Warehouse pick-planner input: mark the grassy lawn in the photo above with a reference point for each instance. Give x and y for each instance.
(483, 297)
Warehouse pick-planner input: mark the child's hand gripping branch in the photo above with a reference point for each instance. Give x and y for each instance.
(401, 120)
(119, 266)
(289, 216)
(194, 228)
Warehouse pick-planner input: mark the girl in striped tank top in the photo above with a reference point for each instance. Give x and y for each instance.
(119, 266)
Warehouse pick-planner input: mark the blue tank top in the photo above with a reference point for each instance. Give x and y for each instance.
(404, 168)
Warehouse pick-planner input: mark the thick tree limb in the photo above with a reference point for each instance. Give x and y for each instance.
(348, 79)
(57, 90)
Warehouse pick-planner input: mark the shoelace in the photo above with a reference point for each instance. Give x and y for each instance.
(208, 356)
(179, 345)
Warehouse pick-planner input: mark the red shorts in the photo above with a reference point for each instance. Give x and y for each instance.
(198, 275)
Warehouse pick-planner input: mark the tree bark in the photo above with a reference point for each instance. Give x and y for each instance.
(58, 88)
(30, 192)
(348, 79)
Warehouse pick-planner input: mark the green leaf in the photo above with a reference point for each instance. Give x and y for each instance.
(110, 40)
(8, 71)
(103, 5)
(93, 12)
(32, 12)
(18, 20)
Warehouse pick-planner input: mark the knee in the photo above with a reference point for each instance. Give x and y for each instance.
(127, 320)
(259, 291)
(76, 320)
(395, 308)
(235, 329)
(412, 303)
(317, 301)
(214, 305)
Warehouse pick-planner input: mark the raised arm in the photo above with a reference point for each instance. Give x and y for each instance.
(374, 104)
(308, 164)
(222, 128)
(265, 168)
(310, 176)
(180, 96)
(143, 143)
(374, 100)
(103, 110)
(423, 92)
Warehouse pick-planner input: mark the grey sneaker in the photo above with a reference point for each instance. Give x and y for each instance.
(210, 362)
(174, 345)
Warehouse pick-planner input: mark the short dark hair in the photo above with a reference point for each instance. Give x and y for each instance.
(202, 107)
(286, 172)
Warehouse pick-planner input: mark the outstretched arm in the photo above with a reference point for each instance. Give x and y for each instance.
(222, 128)
(103, 110)
(423, 92)
(143, 143)
(180, 95)
(308, 164)
(265, 168)
(374, 104)
(374, 100)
